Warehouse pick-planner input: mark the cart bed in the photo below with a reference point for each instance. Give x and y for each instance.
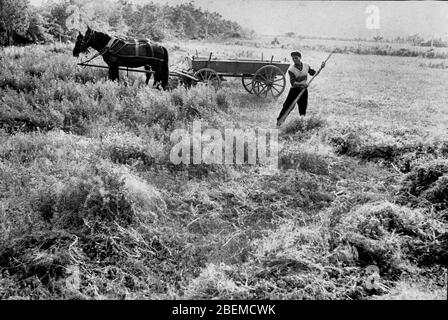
(235, 66)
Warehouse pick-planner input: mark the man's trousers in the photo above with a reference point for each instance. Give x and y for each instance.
(292, 95)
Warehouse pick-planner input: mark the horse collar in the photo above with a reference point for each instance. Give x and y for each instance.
(109, 44)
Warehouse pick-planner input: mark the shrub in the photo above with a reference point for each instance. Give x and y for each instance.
(307, 191)
(366, 146)
(17, 114)
(127, 148)
(100, 194)
(376, 220)
(426, 184)
(213, 282)
(303, 125)
(385, 253)
(305, 160)
(400, 147)
(89, 215)
(391, 236)
(346, 144)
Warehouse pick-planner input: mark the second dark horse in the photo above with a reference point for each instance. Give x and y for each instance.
(118, 52)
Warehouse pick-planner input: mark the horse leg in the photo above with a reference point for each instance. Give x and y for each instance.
(117, 74)
(114, 73)
(165, 72)
(148, 75)
(157, 79)
(111, 74)
(164, 75)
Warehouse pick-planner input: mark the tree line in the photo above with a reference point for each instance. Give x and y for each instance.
(22, 23)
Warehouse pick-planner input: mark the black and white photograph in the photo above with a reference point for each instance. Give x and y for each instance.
(254, 151)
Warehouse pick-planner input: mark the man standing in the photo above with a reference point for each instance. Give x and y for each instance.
(298, 75)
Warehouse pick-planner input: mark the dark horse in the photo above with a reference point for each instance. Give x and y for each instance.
(118, 52)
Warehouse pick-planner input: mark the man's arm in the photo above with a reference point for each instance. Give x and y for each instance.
(292, 78)
(312, 72)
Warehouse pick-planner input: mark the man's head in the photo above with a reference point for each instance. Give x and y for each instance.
(296, 56)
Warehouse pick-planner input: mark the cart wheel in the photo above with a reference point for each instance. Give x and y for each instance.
(269, 79)
(209, 77)
(247, 83)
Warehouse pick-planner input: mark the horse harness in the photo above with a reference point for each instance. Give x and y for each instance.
(131, 49)
(114, 49)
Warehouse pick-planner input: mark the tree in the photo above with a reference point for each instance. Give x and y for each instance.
(37, 30)
(377, 38)
(56, 14)
(416, 39)
(117, 21)
(14, 18)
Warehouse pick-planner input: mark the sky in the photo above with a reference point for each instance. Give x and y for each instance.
(330, 18)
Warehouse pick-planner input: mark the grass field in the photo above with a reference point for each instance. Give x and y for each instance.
(86, 183)
(345, 46)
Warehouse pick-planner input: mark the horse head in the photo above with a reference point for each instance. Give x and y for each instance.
(83, 42)
(77, 48)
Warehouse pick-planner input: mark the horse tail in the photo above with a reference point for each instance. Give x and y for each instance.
(165, 68)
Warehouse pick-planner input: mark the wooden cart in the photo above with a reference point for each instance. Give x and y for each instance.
(260, 77)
